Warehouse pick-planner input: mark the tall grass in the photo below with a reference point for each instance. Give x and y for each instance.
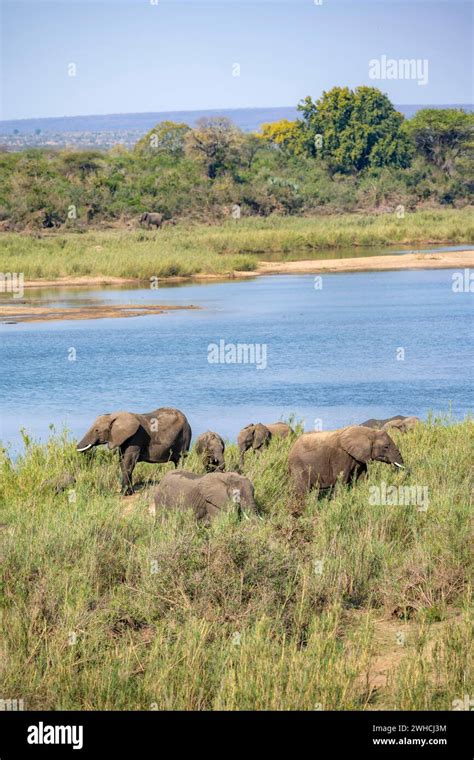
(106, 607)
(235, 245)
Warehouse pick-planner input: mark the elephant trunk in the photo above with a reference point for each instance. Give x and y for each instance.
(87, 442)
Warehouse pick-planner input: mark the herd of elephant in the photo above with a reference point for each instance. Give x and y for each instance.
(316, 459)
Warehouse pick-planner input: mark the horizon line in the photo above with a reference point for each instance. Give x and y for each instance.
(200, 110)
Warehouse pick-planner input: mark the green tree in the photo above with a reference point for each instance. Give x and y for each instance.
(167, 137)
(216, 142)
(355, 130)
(444, 137)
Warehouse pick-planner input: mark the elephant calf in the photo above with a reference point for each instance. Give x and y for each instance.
(210, 447)
(160, 436)
(258, 436)
(398, 421)
(207, 495)
(319, 459)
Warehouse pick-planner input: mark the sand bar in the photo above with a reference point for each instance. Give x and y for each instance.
(31, 312)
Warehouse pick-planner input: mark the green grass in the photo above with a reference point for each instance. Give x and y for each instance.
(106, 608)
(185, 250)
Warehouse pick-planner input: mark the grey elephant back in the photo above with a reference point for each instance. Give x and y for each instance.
(280, 429)
(176, 490)
(379, 424)
(207, 495)
(404, 424)
(169, 426)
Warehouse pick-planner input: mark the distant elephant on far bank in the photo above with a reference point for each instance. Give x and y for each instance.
(210, 447)
(207, 495)
(151, 219)
(258, 436)
(320, 459)
(398, 421)
(160, 436)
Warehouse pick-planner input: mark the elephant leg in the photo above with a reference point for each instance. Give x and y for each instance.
(361, 472)
(128, 460)
(177, 457)
(328, 493)
(301, 483)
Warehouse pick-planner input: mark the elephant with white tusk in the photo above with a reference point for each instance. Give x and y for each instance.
(207, 495)
(160, 436)
(319, 459)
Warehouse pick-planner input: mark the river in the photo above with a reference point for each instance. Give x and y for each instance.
(370, 344)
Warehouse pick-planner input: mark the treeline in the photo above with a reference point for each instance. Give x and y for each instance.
(348, 151)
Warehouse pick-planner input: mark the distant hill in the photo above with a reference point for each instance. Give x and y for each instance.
(248, 119)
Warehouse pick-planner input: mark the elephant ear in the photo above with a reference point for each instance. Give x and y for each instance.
(245, 436)
(261, 434)
(214, 495)
(122, 427)
(357, 441)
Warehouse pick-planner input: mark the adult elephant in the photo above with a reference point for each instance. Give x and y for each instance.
(160, 436)
(319, 459)
(258, 436)
(210, 448)
(398, 421)
(152, 219)
(207, 495)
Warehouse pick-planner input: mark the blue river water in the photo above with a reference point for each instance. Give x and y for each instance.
(363, 345)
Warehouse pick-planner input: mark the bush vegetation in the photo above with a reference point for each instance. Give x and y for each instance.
(337, 604)
(349, 151)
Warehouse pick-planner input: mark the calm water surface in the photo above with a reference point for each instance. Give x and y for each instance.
(331, 354)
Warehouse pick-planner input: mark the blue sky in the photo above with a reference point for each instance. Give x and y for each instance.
(134, 56)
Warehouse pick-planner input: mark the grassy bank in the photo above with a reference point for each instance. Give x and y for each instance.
(234, 245)
(348, 606)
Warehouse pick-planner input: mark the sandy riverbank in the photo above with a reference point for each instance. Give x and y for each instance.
(441, 260)
(12, 310)
(412, 260)
(32, 312)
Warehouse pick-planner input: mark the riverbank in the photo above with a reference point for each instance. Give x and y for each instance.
(353, 604)
(238, 245)
(412, 260)
(442, 260)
